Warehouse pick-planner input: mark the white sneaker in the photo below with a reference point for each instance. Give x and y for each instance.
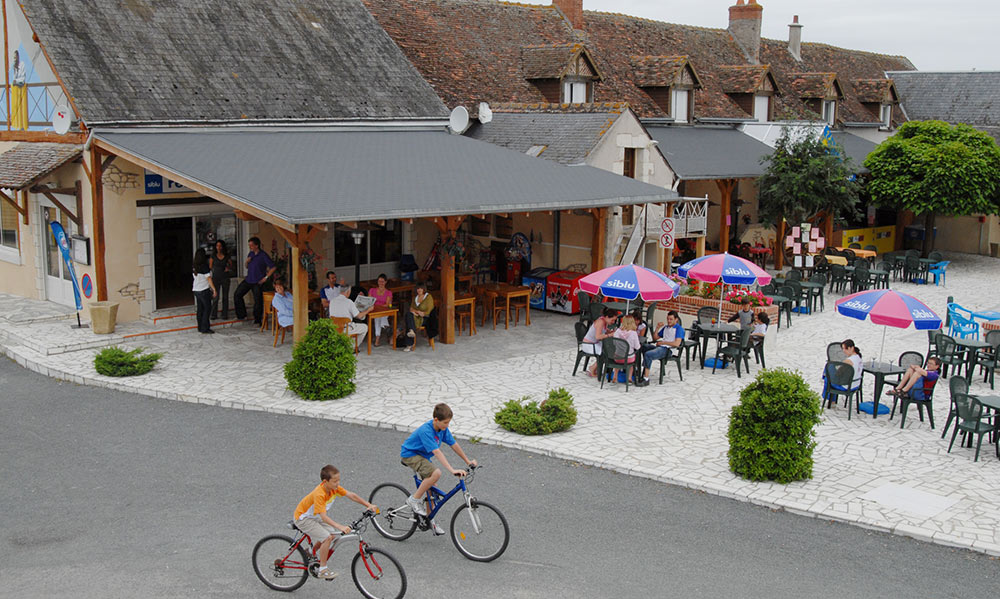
(408, 348)
(327, 574)
(416, 505)
(411, 334)
(438, 531)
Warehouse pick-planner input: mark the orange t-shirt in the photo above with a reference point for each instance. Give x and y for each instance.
(317, 502)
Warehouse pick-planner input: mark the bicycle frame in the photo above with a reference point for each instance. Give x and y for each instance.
(437, 498)
(300, 536)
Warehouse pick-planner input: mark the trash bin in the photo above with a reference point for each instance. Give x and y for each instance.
(103, 316)
(995, 250)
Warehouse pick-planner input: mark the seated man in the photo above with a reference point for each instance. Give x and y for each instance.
(332, 289)
(341, 306)
(926, 378)
(665, 338)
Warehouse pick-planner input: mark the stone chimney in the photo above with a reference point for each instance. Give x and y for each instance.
(744, 26)
(573, 10)
(795, 39)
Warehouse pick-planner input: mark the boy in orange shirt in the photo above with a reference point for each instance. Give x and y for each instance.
(311, 518)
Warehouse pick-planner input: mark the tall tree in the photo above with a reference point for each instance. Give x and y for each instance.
(931, 167)
(803, 178)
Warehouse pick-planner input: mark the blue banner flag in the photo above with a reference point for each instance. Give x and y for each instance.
(63, 242)
(827, 139)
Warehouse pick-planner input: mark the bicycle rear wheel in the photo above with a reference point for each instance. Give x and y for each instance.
(378, 575)
(395, 519)
(481, 533)
(278, 565)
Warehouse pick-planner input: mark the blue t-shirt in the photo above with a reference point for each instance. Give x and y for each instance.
(678, 333)
(425, 440)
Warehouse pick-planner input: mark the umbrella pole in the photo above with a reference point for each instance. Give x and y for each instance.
(721, 293)
(883, 343)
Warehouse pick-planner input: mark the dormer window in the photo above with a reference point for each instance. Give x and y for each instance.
(886, 116)
(830, 112)
(752, 87)
(669, 81)
(562, 73)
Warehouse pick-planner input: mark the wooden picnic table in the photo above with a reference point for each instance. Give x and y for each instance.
(507, 292)
(378, 313)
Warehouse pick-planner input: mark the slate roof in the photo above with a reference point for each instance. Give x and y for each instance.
(25, 163)
(972, 97)
(710, 152)
(332, 176)
(857, 148)
(568, 135)
(470, 51)
(192, 60)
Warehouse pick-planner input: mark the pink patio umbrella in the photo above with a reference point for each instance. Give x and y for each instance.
(629, 282)
(726, 269)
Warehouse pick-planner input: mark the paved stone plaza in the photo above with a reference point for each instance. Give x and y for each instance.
(867, 472)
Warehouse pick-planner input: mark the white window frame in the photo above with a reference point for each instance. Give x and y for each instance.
(680, 103)
(885, 112)
(766, 101)
(830, 111)
(575, 92)
(7, 253)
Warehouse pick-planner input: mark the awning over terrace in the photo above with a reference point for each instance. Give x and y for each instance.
(700, 153)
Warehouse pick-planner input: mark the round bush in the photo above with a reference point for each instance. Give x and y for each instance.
(323, 363)
(115, 361)
(771, 428)
(554, 415)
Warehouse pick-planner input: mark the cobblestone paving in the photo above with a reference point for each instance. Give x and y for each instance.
(867, 471)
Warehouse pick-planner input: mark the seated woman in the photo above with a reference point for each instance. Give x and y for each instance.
(760, 328)
(421, 307)
(597, 332)
(627, 332)
(283, 304)
(383, 299)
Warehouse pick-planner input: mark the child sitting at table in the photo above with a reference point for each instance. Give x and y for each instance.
(744, 315)
(927, 377)
(760, 328)
(627, 331)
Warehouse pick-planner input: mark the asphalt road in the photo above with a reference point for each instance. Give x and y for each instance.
(108, 494)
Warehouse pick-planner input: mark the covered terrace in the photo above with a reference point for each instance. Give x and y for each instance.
(302, 181)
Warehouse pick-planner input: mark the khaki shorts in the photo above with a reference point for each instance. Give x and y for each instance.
(419, 464)
(317, 530)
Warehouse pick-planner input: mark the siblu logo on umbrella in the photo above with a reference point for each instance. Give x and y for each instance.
(740, 272)
(619, 284)
(920, 313)
(858, 305)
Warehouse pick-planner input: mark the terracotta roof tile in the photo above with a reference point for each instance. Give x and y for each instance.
(657, 71)
(875, 90)
(25, 163)
(742, 79)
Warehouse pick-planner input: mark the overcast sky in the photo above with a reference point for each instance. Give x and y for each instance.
(957, 35)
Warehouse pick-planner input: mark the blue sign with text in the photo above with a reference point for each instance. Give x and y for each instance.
(156, 184)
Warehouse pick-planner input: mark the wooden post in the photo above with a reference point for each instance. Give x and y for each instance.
(828, 229)
(726, 187)
(597, 246)
(300, 293)
(699, 249)
(779, 246)
(97, 205)
(446, 313)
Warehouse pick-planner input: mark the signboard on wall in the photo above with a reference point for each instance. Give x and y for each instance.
(157, 184)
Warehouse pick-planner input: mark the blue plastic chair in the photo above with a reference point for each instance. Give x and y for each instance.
(962, 326)
(939, 270)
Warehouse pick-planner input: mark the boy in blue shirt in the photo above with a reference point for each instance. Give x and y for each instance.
(416, 453)
(665, 339)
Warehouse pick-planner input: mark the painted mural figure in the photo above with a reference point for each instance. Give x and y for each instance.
(19, 95)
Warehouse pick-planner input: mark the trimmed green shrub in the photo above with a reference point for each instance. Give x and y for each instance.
(553, 415)
(115, 361)
(323, 363)
(771, 428)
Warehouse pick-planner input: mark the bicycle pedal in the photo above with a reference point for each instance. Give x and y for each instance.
(423, 523)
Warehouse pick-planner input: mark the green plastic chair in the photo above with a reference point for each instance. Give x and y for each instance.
(615, 353)
(956, 385)
(584, 299)
(838, 278)
(911, 398)
(988, 358)
(734, 350)
(950, 355)
(817, 293)
(970, 421)
(581, 332)
(839, 376)
(932, 342)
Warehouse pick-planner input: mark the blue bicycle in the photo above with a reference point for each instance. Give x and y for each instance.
(478, 529)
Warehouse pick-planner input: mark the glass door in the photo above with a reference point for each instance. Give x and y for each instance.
(58, 283)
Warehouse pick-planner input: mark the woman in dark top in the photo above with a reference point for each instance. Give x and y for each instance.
(221, 264)
(204, 290)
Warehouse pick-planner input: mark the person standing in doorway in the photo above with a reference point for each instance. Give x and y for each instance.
(259, 269)
(222, 271)
(203, 289)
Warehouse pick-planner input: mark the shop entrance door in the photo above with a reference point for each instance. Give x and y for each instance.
(173, 248)
(58, 283)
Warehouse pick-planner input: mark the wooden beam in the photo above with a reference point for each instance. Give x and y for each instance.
(244, 216)
(291, 238)
(408, 221)
(61, 190)
(23, 211)
(726, 187)
(76, 218)
(350, 224)
(206, 191)
(380, 223)
(447, 311)
(482, 216)
(300, 294)
(97, 205)
(107, 162)
(597, 245)
(43, 136)
(83, 163)
(779, 247)
(309, 234)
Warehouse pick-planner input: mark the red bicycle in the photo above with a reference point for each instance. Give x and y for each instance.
(284, 563)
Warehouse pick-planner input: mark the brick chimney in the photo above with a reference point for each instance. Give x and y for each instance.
(744, 26)
(573, 11)
(795, 39)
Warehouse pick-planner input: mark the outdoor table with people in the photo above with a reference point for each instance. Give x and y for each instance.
(880, 370)
(715, 329)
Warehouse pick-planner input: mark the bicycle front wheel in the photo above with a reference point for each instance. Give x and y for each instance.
(481, 533)
(278, 564)
(378, 575)
(395, 519)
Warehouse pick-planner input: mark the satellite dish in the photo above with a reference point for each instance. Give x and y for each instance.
(61, 119)
(485, 114)
(459, 120)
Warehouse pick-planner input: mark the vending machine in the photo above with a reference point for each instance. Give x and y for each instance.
(561, 292)
(537, 280)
